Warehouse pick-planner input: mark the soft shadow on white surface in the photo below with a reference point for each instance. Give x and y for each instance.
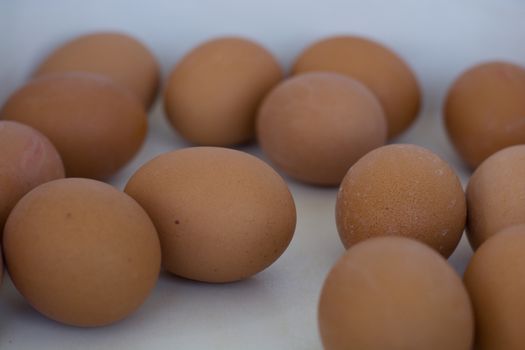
(277, 308)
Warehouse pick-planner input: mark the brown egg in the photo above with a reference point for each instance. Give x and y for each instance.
(377, 67)
(402, 190)
(96, 126)
(115, 55)
(213, 93)
(27, 159)
(315, 126)
(81, 252)
(487, 102)
(394, 293)
(495, 279)
(496, 195)
(222, 215)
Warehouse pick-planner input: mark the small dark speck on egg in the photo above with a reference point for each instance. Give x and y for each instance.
(68, 215)
(177, 222)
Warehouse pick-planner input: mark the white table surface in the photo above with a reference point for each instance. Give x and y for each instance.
(276, 309)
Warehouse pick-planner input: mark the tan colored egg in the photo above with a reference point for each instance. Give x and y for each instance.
(81, 252)
(213, 93)
(222, 215)
(96, 126)
(316, 125)
(394, 293)
(485, 110)
(27, 159)
(376, 66)
(117, 56)
(403, 190)
(495, 279)
(496, 195)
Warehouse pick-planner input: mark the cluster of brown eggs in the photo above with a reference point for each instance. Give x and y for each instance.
(84, 253)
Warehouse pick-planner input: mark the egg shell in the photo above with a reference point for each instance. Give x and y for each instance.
(487, 102)
(27, 159)
(495, 279)
(213, 93)
(315, 126)
(496, 195)
(222, 215)
(376, 66)
(118, 56)
(81, 252)
(394, 293)
(402, 190)
(96, 126)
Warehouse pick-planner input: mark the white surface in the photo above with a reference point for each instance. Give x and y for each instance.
(277, 308)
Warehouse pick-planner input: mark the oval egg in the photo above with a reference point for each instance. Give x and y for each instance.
(486, 103)
(496, 195)
(495, 279)
(117, 56)
(315, 126)
(222, 215)
(81, 252)
(96, 126)
(394, 293)
(27, 159)
(376, 66)
(402, 190)
(213, 93)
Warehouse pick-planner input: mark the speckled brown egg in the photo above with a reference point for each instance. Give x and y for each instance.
(496, 194)
(376, 66)
(403, 190)
(96, 126)
(394, 293)
(213, 93)
(27, 159)
(222, 215)
(495, 279)
(485, 110)
(118, 56)
(315, 126)
(81, 252)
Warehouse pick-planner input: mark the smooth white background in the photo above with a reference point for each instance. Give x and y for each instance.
(277, 308)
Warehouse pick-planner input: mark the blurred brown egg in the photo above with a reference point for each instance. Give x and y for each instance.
(117, 56)
(213, 93)
(81, 252)
(394, 293)
(222, 215)
(403, 190)
(485, 110)
(316, 125)
(96, 126)
(27, 159)
(495, 279)
(377, 67)
(496, 194)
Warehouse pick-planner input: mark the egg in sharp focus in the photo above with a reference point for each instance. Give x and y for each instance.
(403, 190)
(222, 215)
